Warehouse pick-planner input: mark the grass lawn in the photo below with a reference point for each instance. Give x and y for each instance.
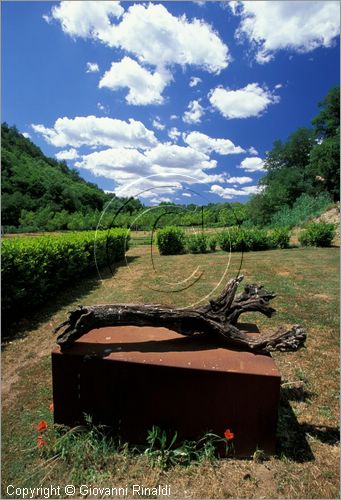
(306, 281)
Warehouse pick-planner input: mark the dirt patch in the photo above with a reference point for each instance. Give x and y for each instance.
(283, 273)
(322, 296)
(332, 216)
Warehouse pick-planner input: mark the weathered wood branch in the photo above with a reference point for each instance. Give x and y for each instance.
(218, 318)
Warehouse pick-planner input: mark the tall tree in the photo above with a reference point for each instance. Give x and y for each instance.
(324, 161)
(327, 122)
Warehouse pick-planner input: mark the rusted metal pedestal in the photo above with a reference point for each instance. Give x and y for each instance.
(131, 378)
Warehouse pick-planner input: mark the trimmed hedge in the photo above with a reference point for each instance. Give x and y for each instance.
(317, 234)
(170, 240)
(212, 243)
(197, 243)
(34, 268)
(280, 237)
(244, 240)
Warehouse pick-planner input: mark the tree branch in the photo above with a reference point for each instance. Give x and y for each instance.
(218, 318)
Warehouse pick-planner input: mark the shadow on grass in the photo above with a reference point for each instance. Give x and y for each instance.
(17, 324)
(291, 436)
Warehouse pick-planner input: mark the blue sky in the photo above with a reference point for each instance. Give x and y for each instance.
(164, 100)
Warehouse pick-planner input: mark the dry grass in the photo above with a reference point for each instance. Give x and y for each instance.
(307, 465)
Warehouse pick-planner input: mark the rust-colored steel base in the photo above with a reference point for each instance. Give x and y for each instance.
(131, 378)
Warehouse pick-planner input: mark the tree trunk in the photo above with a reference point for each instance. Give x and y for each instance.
(218, 318)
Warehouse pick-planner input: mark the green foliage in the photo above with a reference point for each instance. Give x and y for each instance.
(304, 208)
(164, 452)
(318, 234)
(257, 239)
(32, 182)
(328, 119)
(170, 240)
(231, 214)
(324, 166)
(212, 243)
(197, 243)
(307, 163)
(34, 269)
(280, 237)
(245, 239)
(231, 240)
(85, 449)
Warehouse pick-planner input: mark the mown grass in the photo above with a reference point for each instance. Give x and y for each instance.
(306, 281)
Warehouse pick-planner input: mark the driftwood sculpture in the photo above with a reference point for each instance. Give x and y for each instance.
(218, 318)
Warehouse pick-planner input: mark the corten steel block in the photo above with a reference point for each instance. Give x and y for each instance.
(131, 378)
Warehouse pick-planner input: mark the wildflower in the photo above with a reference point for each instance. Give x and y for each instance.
(41, 442)
(42, 426)
(228, 435)
(51, 407)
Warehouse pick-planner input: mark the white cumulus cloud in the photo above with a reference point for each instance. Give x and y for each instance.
(67, 154)
(174, 156)
(160, 199)
(238, 180)
(194, 112)
(230, 193)
(148, 31)
(92, 67)
(205, 144)
(251, 100)
(94, 131)
(299, 26)
(168, 164)
(144, 87)
(86, 19)
(157, 123)
(252, 164)
(253, 151)
(194, 81)
(119, 164)
(174, 133)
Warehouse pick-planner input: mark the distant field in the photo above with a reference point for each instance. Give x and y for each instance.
(306, 281)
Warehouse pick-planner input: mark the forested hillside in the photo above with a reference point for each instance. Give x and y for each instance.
(41, 186)
(306, 165)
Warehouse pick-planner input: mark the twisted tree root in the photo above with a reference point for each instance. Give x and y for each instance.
(218, 318)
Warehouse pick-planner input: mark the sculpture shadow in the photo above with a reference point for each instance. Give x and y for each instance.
(292, 436)
(17, 324)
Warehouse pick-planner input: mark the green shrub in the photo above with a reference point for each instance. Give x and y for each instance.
(244, 239)
(318, 234)
(197, 243)
(280, 237)
(304, 208)
(231, 240)
(212, 243)
(34, 268)
(170, 240)
(256, 239)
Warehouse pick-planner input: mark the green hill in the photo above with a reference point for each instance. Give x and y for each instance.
(33, 182)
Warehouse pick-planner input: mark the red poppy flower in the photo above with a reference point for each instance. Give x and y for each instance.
(228, 435)
(51, 407)
(41, 442)
(42, 426)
